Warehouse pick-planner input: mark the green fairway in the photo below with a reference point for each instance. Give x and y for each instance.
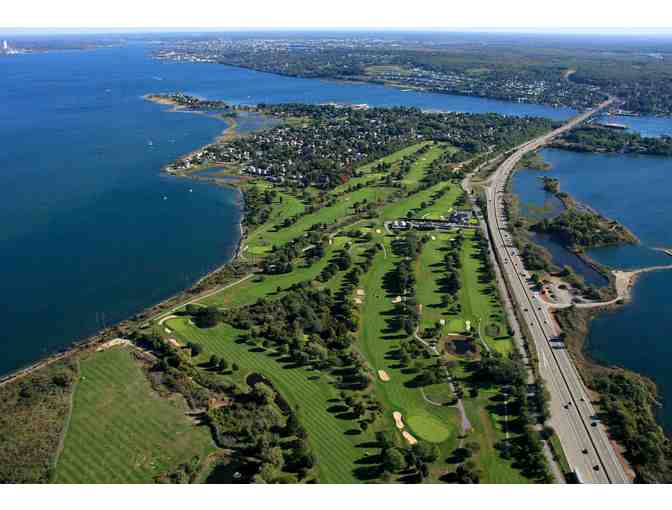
(412, 205)
(428, 270)
(427, 428)
(121, 431)
(367, 171)
(418, 169)
(480, 302)
(379, 343)
(312, 393)
(264, 285)
(262, 243)
(487, 432)
(427, 411)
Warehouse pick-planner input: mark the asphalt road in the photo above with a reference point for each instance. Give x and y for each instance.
(583, 438)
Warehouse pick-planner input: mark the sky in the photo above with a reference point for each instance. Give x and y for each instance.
(589, 15)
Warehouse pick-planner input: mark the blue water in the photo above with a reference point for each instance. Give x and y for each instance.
(90, 231)
(634, 190)
(537, 204)
(646, 126)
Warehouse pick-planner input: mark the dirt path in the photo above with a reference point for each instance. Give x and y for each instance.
(200, 297)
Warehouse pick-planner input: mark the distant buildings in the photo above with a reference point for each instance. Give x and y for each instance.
(8, 50)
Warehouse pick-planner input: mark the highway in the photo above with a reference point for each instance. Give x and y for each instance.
(583, 438)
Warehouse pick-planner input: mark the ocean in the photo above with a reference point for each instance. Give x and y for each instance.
(91, 232)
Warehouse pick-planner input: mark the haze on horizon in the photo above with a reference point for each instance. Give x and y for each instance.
(573, 16)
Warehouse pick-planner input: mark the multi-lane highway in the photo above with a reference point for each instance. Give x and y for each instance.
(583, 438)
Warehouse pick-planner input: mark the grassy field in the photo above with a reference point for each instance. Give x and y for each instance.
(487, 431)
(378, 342)
(121, 431)
(262, 243)
(480, 302)
(311, 392)
(266, 285)
(342, 453)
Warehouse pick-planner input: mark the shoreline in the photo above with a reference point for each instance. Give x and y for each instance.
(94, 340)
(622, 284)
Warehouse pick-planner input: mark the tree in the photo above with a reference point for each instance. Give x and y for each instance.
(206, 317)
(262, 394)
(426, 451)
(393, 460)
(195, 348)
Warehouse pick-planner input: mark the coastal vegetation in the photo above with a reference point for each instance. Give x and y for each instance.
(627, 402)
(340, 353)
(580, 230)
(551, 184)
(533, 160)
(558, 71)
(596, 138)
(33, 420)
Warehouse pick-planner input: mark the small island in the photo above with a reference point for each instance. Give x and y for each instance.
(579, 228)
(551, 184)
(533, 160)
(599, 138)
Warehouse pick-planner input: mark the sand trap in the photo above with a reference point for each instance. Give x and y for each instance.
(433, 238)
(358, 301)
(378, 231)
(397, 299)
(409, 438)
(419, 307)
(442, 322)
(167, 318)
(174, 343)
(360, 292)
(383, 375)
(112, 343)
(398, 419)
(167, 330)
(467, 325)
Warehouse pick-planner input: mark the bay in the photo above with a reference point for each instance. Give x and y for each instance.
(90, 231)
(635, 190)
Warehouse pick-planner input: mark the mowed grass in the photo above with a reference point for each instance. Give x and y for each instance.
(260, 286)
(368, 170)
(309, 391)
(378, 343)
(428, 428)
(488, 430)
(285, 206)
(278, 237)
(121, 431)
(411, 206)
(417, 171)
(480, 303)
(429, 269)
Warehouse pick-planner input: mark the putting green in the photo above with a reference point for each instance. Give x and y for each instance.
(428, 428)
